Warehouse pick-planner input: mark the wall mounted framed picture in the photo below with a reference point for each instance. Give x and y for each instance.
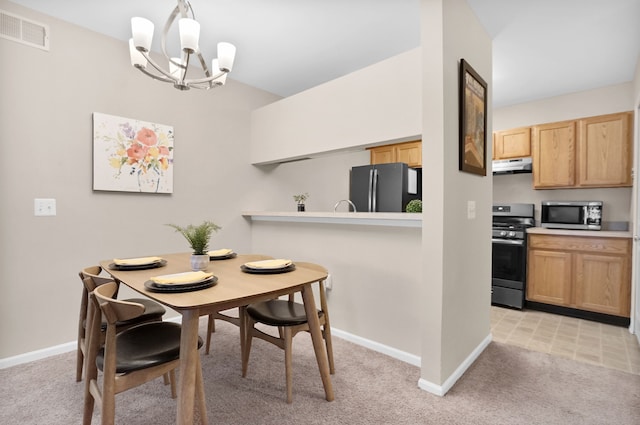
(473, 121)
(131, 155)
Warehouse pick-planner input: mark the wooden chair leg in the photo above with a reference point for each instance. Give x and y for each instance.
(288, 363)
(211, 328)
(89, 404)
(79, 361)
(172, 381)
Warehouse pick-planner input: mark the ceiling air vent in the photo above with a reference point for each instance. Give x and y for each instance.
(25, 31)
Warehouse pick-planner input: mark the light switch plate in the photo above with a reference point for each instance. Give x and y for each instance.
(471, 210)
(44, 207)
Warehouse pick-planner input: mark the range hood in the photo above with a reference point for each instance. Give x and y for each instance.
(511, 166)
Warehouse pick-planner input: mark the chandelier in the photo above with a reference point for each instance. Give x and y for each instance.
(189, 28)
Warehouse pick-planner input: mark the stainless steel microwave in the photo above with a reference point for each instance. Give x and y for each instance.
(581, 215)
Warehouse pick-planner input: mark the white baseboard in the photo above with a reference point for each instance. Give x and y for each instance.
(38, 354)
(52, 351)
(441, 390)
(376, 346)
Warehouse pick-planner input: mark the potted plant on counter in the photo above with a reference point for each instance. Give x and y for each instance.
(198, 238)
(300, 200)
(414, 206)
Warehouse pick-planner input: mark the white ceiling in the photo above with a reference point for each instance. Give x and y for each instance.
(541, 48)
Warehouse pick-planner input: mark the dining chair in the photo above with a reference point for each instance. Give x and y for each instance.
(225, 314)
(129, 358)
(290, 318)
(152, 312)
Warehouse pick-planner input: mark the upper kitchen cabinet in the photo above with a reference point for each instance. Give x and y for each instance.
(554, 153)
(409, 153)
(589, 152)
(604, 151)
(514, 143)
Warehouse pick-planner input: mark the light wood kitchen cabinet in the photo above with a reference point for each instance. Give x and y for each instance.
(514, 143)
(585, 273)
(409, 153)
(604, 151)
(550, 277)
(589, 152)
(554, 155)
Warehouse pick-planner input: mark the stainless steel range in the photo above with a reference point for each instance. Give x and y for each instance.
(509, 253)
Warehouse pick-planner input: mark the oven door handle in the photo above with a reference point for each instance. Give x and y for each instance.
(508, 241)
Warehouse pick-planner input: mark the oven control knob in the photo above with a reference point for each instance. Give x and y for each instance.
(503, 233)
(512, 234)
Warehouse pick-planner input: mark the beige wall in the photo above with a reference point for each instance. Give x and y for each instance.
(375, 271)
(384, 106)
(519, 188)
(46, 104)
(456, 250)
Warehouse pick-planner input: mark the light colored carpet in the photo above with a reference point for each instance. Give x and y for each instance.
(507, 385)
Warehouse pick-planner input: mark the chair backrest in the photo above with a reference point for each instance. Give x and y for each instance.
(93, 272)
(322, 291)
(115, 310)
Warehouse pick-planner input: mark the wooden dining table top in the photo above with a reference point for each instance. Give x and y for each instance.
(234, 287)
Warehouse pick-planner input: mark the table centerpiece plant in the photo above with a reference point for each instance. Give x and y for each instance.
(198, 238)
(300, 200)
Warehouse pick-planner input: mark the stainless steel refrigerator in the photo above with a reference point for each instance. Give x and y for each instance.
(384, 187)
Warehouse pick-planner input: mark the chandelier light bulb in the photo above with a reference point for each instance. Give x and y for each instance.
(226, 56)
(189, 34)
(142, 30)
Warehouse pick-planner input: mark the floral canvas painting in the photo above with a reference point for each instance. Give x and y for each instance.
(131, 155)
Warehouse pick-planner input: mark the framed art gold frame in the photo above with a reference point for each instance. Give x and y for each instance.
(473, 121)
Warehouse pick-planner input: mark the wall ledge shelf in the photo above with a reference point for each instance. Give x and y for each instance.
(361, 218)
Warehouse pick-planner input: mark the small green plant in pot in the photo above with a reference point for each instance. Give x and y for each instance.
(300, 200)
(198, 238)
(414, 206)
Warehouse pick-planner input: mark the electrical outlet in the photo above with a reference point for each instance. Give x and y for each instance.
(44, 207)
(328, 284)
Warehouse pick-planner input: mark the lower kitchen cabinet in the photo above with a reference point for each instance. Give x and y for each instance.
(585, 273)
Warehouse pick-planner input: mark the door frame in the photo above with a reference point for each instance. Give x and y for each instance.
(634, 326)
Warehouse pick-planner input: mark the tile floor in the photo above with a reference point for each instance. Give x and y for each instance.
(577, 339)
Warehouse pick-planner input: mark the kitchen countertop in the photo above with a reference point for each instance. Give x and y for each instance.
(363, 218)
(590, 233)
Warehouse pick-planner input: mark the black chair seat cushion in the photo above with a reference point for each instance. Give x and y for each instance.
(145, 345)
(278, 313)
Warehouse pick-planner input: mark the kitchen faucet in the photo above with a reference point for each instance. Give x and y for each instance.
(335, 207)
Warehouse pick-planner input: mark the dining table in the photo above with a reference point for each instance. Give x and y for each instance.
(235, 287)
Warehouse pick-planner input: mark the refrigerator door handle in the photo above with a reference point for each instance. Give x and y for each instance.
(375, 190)
(369, 190)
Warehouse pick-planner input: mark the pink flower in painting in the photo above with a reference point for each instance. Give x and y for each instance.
(147, 137)
(141, 151)
(136, 152)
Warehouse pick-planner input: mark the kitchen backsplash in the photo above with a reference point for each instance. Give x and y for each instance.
(519, 188)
